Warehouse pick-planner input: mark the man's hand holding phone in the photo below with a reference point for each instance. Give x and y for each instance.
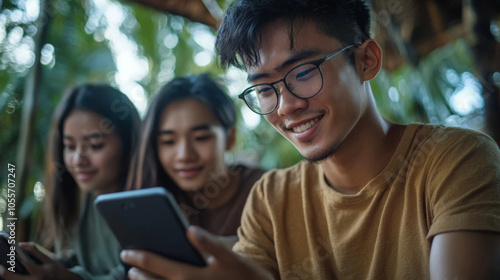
(222, 263)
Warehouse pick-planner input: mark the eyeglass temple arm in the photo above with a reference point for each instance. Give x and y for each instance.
(341, 50)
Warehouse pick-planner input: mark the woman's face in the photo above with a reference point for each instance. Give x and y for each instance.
(92, 152)
(191, 144)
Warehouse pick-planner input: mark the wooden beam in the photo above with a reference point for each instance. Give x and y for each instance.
(194, 10)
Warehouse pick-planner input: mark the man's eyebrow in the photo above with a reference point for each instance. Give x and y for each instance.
(297, 57)
(290, 61)
(253, 77)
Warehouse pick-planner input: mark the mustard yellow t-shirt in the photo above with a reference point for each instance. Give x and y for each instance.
(438, 180)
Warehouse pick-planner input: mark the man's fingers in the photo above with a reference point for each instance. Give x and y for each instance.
(158, 265)
(209, 244)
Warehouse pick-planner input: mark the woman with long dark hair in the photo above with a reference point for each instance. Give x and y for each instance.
(189, 126)
(95, 130)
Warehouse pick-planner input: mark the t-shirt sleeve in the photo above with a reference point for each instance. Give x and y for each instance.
(256, 238)
(464, 185)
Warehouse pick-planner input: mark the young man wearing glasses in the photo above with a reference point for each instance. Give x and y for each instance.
(374, 199)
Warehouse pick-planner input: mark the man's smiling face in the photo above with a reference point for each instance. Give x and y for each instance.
(317, 126)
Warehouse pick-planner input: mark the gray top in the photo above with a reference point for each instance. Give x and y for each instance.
(96, 252)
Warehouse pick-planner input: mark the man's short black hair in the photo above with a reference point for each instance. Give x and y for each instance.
(238, 40)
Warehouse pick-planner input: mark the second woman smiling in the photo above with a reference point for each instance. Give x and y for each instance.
(189, 126)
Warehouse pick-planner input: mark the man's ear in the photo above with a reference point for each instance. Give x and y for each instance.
(369, 59)
(230, 138)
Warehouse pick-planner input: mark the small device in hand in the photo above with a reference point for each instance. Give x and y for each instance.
(149, 219)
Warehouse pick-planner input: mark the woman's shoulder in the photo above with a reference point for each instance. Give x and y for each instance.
(246, 172)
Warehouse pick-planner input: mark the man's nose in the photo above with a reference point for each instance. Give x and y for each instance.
(287, 101)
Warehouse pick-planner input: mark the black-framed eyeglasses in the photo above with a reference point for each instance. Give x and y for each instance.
(303, 81)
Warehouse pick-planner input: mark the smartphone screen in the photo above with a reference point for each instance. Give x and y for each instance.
(149, 219)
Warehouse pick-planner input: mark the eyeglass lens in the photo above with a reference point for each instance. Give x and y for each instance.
(303, 81)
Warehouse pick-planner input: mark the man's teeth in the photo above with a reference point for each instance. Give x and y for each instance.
(305, 126)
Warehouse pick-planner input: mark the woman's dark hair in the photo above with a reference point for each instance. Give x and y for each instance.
(149, 172)
(62, 192)
(238, 40)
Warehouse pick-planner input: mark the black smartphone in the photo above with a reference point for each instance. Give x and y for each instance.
(149, 219)
(9, 254)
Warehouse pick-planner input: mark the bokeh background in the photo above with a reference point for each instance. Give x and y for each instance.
(441, 65)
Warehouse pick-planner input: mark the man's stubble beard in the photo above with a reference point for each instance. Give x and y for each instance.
(320, 156)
